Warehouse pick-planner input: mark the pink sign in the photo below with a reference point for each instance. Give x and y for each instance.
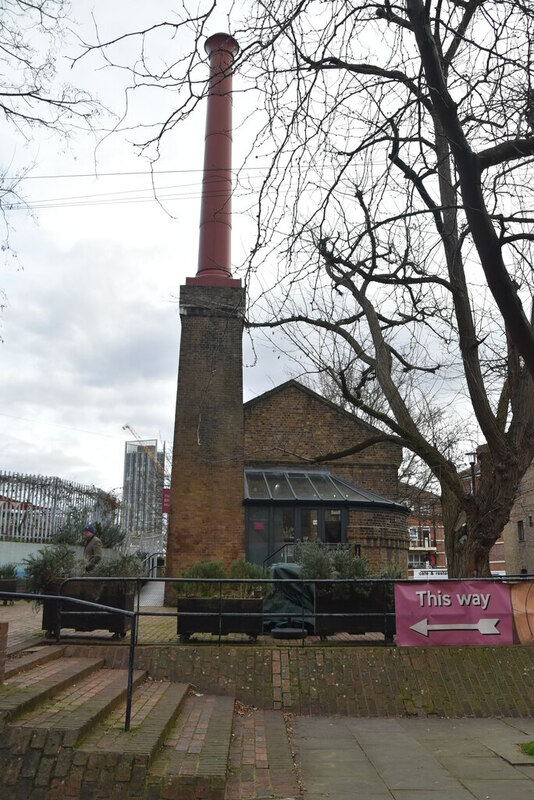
(453, 613)
(165, 500)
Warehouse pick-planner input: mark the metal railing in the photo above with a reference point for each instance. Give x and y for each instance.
(227, 589)
(93, 607)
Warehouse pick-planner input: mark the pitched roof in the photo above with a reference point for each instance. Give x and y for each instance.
(294, 384)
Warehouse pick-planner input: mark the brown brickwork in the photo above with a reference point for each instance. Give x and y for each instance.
(382, 537)
(292, 425)
(206, 519)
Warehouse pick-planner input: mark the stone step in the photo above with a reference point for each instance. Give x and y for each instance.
(24, 691)
(155, 707)
(261, 761)
(28, 659)
(194, 759)
(80, 706)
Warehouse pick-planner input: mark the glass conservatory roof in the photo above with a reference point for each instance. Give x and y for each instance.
(288, 486)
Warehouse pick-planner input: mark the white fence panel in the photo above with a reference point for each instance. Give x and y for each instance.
(33, 508)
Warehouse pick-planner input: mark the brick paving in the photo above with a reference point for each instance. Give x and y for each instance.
(193, 761)
(155, 706)
(260, 764)
(23, 692)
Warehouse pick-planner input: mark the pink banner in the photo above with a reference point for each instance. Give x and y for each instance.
(453, 613)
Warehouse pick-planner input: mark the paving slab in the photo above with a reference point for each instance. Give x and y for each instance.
(408, 759)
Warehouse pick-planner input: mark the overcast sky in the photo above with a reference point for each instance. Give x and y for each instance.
(91, 328)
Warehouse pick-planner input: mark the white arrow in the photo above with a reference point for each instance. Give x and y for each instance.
(484, 626)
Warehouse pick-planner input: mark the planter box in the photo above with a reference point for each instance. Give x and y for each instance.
(74, 616)
(365, 608)
(200, 615)
(8, 585)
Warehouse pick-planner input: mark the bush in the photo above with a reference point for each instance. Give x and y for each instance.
(347, 565)
(315, 560)
(71, 532)
(109, 534)
(8, 571)
(202, 569)
(50, 564)
(247, 571)
(122, 566)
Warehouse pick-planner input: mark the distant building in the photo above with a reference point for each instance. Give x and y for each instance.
(425, 529)
(518, 534)
(142, 516)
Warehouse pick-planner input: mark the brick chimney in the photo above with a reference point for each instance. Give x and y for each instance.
(206, 517)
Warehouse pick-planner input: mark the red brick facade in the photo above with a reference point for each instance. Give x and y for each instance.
(206, 519)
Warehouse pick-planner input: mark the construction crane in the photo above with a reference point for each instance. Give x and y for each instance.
(159, 466)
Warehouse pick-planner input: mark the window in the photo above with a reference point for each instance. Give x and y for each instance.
(520, 531)
(417, 561)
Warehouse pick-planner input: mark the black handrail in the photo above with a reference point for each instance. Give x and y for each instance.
(92, 607)
(279, 550)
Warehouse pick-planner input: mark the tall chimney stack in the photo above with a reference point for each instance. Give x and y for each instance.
(206, 516)
(214, 254)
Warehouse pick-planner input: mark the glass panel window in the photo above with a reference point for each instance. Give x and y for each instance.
(302, 487)
(332, 525)
(257, 545)
(257, 487)
(325, 488)
(279, 487)
(520, 531)
(346, 491)
(309, 524)
(284, 527)
(417, 560)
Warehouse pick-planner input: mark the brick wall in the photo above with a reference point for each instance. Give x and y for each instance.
(383, 538)
(518, 535)
(206, 519)
(292, 425)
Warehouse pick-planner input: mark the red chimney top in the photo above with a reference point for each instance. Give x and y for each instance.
(214, 254)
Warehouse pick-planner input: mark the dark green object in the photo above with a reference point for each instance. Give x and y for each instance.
(289, 605)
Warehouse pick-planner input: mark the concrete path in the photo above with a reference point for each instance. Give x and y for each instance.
(436, 759)
(151, 594)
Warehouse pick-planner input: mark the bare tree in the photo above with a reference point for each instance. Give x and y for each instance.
(32, 33)
(398, 206)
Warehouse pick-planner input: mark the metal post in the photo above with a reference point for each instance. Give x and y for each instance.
(129, 690)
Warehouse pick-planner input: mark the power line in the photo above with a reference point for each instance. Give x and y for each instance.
(58, 425)
(151, 173)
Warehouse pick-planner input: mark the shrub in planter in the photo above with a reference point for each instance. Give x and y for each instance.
(49, 566)
(358, 607)
(46, 572)
(202, 569)
(204, 608)
(8, 580)
(241, 569)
